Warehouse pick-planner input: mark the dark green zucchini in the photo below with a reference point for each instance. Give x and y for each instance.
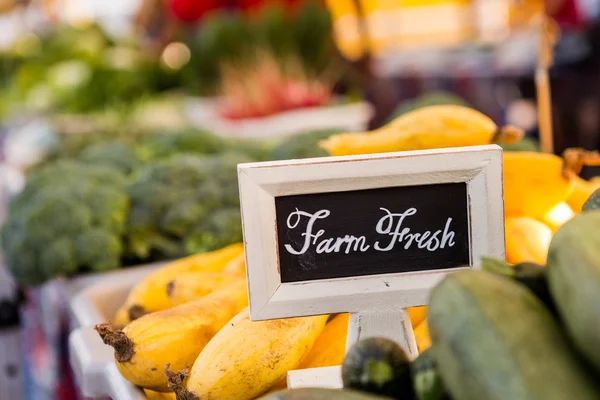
(531, 275)
(321, 394)
(593, 202)
(378, 366)
(427, 381)
(574, 280)
(494, 340)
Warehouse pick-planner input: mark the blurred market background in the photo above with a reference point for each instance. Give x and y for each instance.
(117, 117)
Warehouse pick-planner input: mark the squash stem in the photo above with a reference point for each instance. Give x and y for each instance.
(574, 159)
(175, 382)
(118, 340)
(508, 134)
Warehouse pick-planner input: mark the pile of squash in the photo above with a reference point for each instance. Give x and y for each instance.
(541, 191)
(507, 332)
(185, 330)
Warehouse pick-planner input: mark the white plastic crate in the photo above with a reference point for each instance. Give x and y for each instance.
(91, 360)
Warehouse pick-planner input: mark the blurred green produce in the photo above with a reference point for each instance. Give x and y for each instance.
(111, 198)
(129, 182)
(85, 70)
(180, 197)
(302, 146)
(70, 217)
(80, 70)
(116, 154)
(312, 31)
(160, 145)
(228, 37)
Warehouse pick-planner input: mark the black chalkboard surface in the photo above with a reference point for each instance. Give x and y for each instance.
(371, 232)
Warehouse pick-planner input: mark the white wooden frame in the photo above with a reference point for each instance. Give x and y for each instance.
(480, 167)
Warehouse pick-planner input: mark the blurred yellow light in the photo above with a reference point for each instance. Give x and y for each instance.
(176, 55)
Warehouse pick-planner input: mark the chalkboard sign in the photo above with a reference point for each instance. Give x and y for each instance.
(369, 232)
(366, 234)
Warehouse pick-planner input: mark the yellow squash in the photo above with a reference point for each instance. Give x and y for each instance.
(150, 294)
(175, 336)
(527, 240)
(581, 192)
(236, 266)
(417, 315)
(191, 286)
(534, 184)
(425, 128)
(422, 337)
(245, 359)
(556, 217)
(151, 395)
(330, 347)
(595, 181)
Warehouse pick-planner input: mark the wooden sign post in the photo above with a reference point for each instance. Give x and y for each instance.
(549, 32)
(369, 235)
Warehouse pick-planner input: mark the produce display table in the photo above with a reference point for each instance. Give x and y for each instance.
(47, 322)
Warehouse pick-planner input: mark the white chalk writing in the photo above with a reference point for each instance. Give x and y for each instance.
(392, 225)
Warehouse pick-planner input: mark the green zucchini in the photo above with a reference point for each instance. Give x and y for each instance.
(378, 366)
(574, 280)
(593, 202)
(427, 381)
(495, 340)
(531, 275)
(320, 394)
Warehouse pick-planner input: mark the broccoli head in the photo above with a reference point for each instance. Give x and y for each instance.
(162, 145)
(70, 217)
(98, 249)
(113, 154)
(222, 228)
(174, 201)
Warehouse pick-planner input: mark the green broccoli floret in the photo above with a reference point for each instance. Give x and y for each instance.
(113, 154)
(162, 145)
(69, 217)
(57, 257)
(222, 228)
(110, 205)
(172, 199)
(258, 150)
(181, 218)
(99, 250)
